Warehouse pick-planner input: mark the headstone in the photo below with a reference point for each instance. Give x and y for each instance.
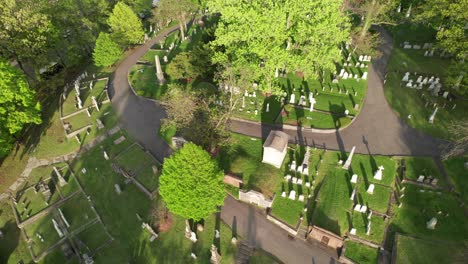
(292, 195)
(165, 59)
(353, 231)
(369, 215)
(268, 107)
(301, 198)
(363, 209)
(364, 76)
(62, 181)
(357, 207)
(215, 256)
(105, 155)
(193, 237)
(100, 125)
(368, 228)
(193, 255)
(117, 188)
(302, 100)
(408, 13)
(312, 103)
(95, 103)
(354, 178)
(432, 117)
(159, 72)
(445, 95)
(293, 99)
(431, 223)
(57, 228)
(378, 173)
(370, 190)
(283, 194)
(63, 218)
(217, 235)
(420, 178)
(350, 157)
(79, 102)
(406, 77)
(345, 75)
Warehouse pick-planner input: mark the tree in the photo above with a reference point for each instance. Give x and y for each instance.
(126, 27)
(450, 18)
(18, 105)
(191, 183)
(106, 51)
(289, 34)
(182, 67)
(24, 32)
(176, 10)
(180, 107)
(459, 147)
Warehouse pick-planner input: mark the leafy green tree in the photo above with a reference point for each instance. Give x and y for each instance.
(106, 52)
(176, 10)
(126, 27)
(24, 32)
(182, 67)
(191, 183)
(18, 105)
(450, 17)
(288, 34)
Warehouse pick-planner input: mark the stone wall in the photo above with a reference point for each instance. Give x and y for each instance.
(326, 237)
(282, 225)
(233, 180)
(256, 198)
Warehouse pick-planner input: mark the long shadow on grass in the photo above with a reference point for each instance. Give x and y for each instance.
(10, 240)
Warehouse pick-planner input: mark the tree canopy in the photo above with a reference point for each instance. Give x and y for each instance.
(182, 66)
(176, 10)
(451, 18)
(126, 27)
(289, 34)
(18, 105)
(106, 51)
(191, 183)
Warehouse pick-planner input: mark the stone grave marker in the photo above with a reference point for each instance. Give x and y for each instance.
(117, 189)
(378, 173)
(431, 223)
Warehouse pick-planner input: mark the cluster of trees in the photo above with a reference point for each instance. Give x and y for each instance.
(18, 105)
(125, 28)
(264, 36)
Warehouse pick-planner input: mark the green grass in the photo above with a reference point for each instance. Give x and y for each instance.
(457, 172)
(419, 207)
(262, 257)
(78, 203)
(144, 82)
(416, 166)
(315, 119)
(93, 237)
(243, 157)
(360, 253)
(13, 248)
(406, 101)
(45, 228)
(133, 159)
(146, 177)
(417, 251)
(378, 225)
(365, 167)
(35, 203)
(333, 203)
(287, 210)
(119, 215)
(377, 201)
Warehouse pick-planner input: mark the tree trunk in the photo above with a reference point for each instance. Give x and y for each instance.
(368, 20)
(182, 32)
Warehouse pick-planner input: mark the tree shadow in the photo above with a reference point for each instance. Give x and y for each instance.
(364, 175)
(10, 240)
(217, 241)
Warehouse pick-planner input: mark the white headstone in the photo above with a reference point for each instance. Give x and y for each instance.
(378, 173)
(354, 178)
(159, 72)
(431, 223)
(370, 190)
(293, 99)
(432, 117)
(350, 157)
(292, 194)
(406, 77)
(105, 155)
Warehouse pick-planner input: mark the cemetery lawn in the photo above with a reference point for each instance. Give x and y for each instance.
(406, 101)
(419, 207)
(13, 248)
(118, 213)
(419, 251)
(361, 253)
(416, 166)
(243, 157)
(378, 226)
(287, 210)
(316, 119)
(457, 172)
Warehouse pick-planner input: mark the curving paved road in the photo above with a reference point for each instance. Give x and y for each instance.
(377, 130)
